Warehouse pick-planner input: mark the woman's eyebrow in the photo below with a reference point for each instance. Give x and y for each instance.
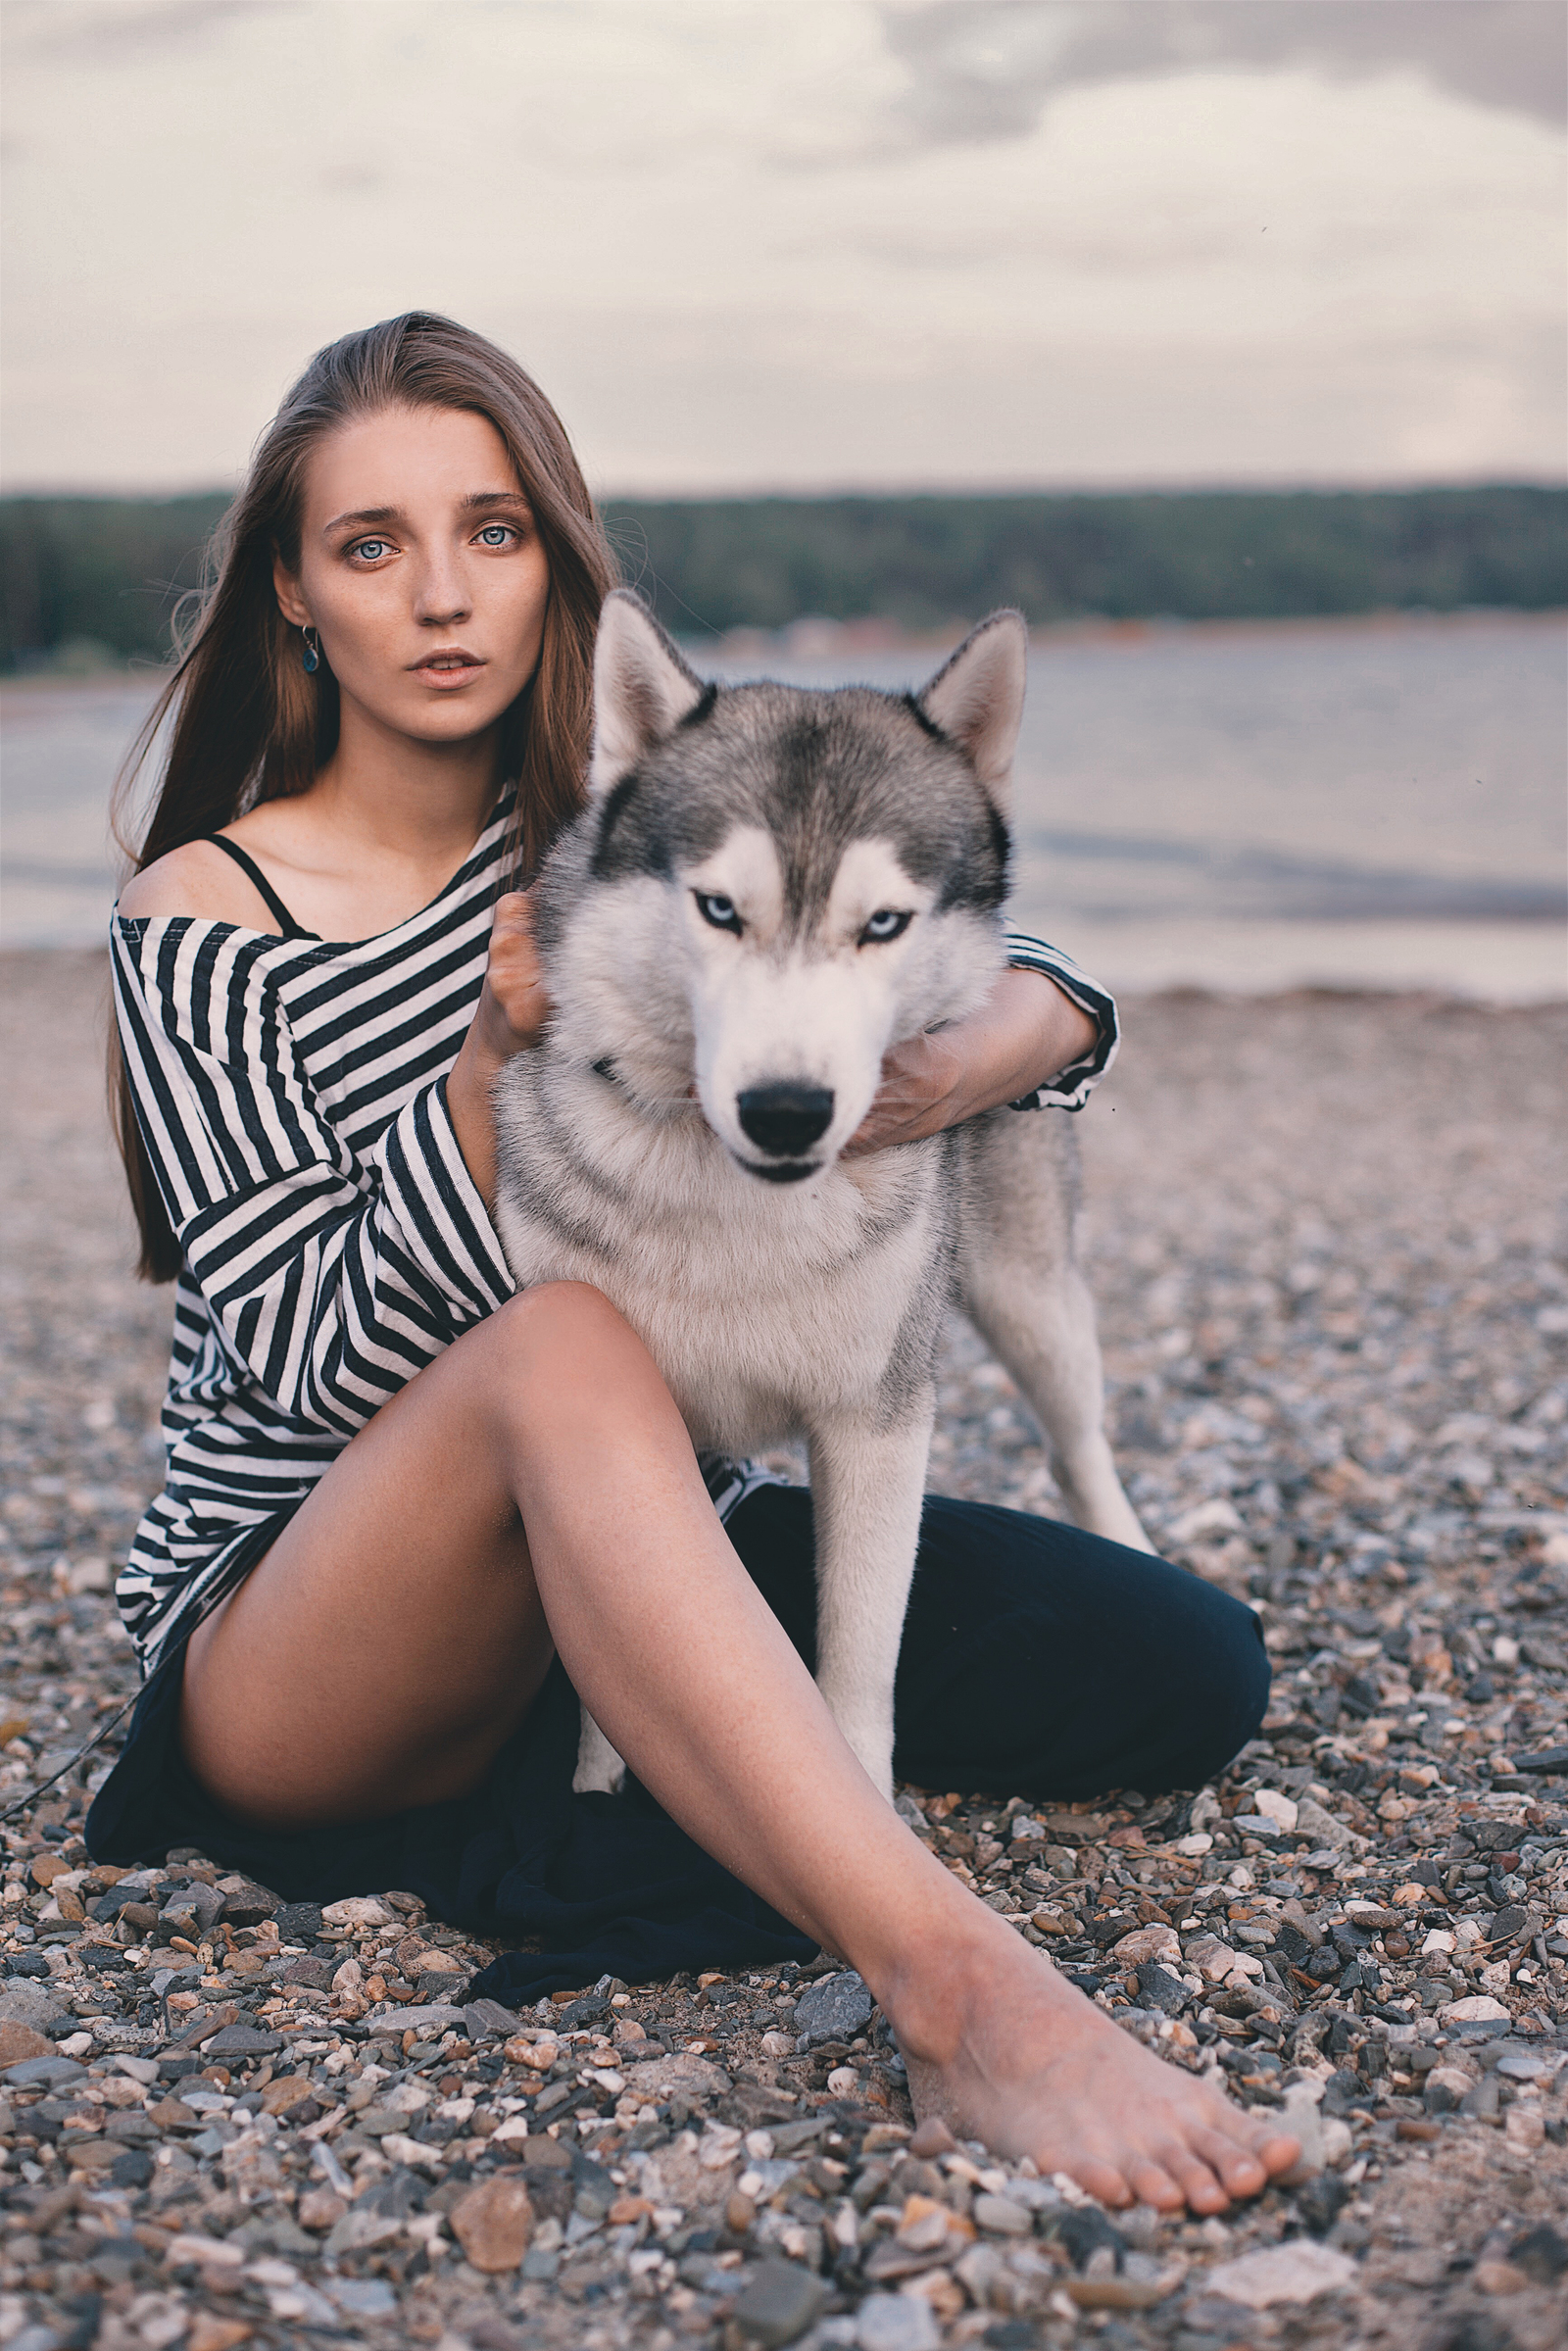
(360, 517)
(363, 515)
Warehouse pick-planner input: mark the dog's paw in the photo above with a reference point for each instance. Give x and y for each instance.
(599, 1770)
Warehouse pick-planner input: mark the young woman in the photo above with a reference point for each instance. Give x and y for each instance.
(403, 1505)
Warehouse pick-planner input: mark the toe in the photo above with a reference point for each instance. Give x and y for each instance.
(1153, 2184)
(1237, 2166)
(1102, 2181)
(1278, 2152)
(1194, 2178)
(1243, 2174)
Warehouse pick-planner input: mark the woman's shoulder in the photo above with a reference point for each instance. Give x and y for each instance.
(198, 881)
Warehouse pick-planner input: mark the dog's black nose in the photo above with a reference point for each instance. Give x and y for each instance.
(785, 1120)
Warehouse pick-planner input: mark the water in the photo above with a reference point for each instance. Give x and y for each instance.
(1378, 804)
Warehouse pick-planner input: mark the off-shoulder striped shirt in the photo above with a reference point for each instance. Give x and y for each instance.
(292, 1096)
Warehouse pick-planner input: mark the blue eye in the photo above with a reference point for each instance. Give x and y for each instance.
(718, 909)
(495, 534)
(371, 549)
(885, 924)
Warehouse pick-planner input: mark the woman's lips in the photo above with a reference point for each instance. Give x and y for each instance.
(446, 670)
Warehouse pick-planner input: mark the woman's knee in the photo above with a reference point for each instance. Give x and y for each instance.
(557, 1330)
(561, 1354)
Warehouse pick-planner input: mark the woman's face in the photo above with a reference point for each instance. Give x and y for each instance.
(421, 570)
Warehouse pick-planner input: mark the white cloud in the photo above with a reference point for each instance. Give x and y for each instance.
(715, 237)
(987, 69)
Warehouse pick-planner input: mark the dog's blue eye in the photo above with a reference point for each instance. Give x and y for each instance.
(718, 910)
(885, 924)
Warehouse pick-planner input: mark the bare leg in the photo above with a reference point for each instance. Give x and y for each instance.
(409, 1563)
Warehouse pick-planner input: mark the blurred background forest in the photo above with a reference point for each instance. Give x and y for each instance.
(89, 581)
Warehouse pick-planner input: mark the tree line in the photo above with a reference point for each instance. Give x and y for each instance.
(103, 576)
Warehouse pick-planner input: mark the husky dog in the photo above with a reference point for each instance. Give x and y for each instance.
(768, 889)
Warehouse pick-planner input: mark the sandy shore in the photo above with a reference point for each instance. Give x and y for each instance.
(1327, 1235)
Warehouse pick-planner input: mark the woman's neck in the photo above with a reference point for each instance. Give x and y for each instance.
(383, 828)
(388, 796)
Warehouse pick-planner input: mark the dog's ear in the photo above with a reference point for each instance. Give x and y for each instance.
(976, 698)
(642, 688)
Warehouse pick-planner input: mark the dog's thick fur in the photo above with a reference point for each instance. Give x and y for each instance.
(769, 887)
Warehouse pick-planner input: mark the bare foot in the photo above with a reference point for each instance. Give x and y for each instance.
(1015, 2056)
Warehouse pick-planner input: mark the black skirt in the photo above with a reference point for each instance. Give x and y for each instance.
(1036, 1661)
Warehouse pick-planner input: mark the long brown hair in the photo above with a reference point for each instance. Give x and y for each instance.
(248, 724)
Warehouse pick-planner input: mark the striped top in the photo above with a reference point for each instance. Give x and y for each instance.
(292, 1097)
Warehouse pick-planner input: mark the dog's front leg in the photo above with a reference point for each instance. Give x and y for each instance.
(867, 1487)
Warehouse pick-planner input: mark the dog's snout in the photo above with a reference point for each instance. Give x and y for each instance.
(785, 1120)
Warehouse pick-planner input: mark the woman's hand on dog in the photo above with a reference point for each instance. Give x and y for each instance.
(513, 1005)
(510, 1015)
(1023, 1035)
(925, 1088)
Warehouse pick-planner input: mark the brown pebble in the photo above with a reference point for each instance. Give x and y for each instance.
(211, 2333)
(173, 2114)
(932, 2137)
(1499, 2277)
(278, 2096)
(739, 2212)
(1119, 2293)
(17, 2041)
(494, 2224)
(538, 2055)
(320, 2209)
(203, 2027)
(1411, 2127)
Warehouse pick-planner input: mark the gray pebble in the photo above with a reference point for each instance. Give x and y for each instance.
(242, 2040)
(778, 2303)
(999, 2216)
(24, 2004)
(47, 2073)
(836, 2009)
(896, 2323)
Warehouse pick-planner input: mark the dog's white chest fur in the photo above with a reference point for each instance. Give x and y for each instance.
(764, 1311)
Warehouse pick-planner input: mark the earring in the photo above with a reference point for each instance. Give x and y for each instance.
(311, 654)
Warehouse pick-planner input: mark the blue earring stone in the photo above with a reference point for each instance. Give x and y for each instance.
(310, 656)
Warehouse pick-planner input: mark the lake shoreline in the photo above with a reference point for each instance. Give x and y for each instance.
(1237, 806)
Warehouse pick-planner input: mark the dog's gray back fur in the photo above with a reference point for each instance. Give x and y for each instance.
(783, 1289)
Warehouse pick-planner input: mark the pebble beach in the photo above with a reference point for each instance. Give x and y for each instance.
(1327, 1237)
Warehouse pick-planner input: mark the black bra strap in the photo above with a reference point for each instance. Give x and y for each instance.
(286, 923)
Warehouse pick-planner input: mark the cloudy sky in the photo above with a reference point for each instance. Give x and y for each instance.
(802, 244)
